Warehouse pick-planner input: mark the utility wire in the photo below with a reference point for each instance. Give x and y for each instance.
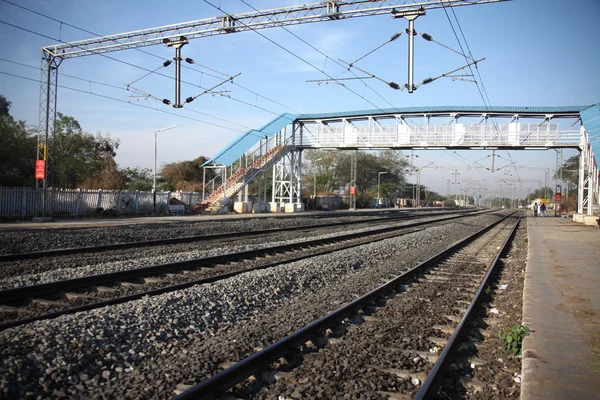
(291, 53)
(150, 54)
(137, 66)
(322, 53)
(133, 104)
(120, 88)
(471, 55)
(463, 52)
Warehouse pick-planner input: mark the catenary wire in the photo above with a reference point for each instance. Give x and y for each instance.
(150, 54)
(136, 66)
(293, 54)
(321, 52)
(120, 88)
(126, 102)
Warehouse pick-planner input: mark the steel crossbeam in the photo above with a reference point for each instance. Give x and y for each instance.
(232, 23)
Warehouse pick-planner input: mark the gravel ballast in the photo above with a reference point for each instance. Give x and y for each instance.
(31, 240)
(30, 272)
(146, 348)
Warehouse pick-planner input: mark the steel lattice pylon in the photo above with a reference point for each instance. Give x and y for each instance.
(47, 118)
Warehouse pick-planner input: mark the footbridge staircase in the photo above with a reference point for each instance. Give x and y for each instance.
(267, 146)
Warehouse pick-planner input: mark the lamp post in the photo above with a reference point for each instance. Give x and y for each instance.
(419, 182)
(154, 180)
(378, 184)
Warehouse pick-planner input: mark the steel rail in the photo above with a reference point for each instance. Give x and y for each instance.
(197, 238)
(183, 285)
(432, 383)
(224, 380)
(20, 293)
(187, 284)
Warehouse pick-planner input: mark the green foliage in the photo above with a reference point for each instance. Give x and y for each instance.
(4, 105)
(331, 170)
(185, 175)
(17, 149)
(137, 179)
(513, 338)
(76, 156)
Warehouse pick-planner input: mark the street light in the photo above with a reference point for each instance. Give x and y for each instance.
(154, 180)
(378, 184)
(418, 194)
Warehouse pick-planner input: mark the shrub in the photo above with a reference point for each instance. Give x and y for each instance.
(513, 338)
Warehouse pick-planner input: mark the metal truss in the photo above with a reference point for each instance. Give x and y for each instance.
(232, 23)
(287, 174)
(47, 118)
(399, 131)
(588, 188)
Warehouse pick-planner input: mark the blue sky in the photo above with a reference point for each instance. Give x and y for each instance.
(538, 53)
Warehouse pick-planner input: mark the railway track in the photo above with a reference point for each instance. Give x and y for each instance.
(44, 301)
(396, 341)
(399, 215)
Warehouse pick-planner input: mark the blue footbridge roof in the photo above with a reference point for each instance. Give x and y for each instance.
(589, 114)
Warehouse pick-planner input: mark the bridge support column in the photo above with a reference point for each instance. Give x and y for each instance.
(287, 176)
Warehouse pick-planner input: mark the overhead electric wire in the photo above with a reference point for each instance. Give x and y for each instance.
(484, 97)
(471, 55)
(150, 54)
(463, 52)
(321, 52)
(126, 102)
(290, 52)
(120, 88)
(139, 67)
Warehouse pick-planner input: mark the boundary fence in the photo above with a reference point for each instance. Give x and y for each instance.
(26, 202)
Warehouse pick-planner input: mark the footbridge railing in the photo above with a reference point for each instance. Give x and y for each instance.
(231, 179)
(515, 135)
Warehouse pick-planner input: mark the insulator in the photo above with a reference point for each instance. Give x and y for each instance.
(396, 36)
(427, 37)
(167, 63)
(394, 85)
(166, 101)
(189, 60)
(428, 80)
(189, 99)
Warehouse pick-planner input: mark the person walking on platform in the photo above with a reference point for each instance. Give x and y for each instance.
(543, 210)
(535, 209)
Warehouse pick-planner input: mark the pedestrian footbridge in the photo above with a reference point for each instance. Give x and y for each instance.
(279, 144)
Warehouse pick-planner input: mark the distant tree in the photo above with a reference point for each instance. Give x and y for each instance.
(185, 175)
(17, 149)
(331, 170)
(137, 179)
(570, 175)
(4, 106)
(77, 158)
(107, 176)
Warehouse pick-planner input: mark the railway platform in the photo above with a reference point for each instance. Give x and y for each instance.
(561, 306)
